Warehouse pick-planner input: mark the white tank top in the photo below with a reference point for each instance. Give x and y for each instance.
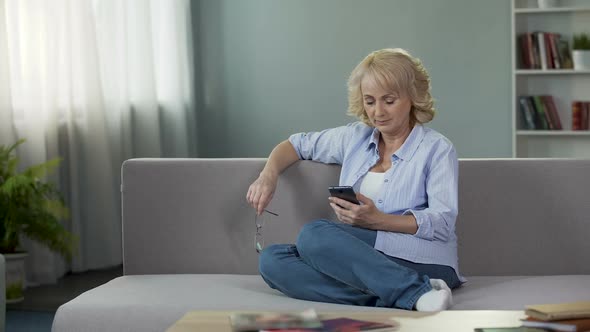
(371, 185)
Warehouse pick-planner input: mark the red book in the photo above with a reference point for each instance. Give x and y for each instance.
(554, 38)
(524, 52)
(584, 116)
(554, 115)
(548, 55)
(576, 115)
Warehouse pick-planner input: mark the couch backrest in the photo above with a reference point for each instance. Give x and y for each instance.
(516, 216)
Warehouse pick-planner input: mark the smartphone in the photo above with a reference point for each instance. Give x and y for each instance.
(344, 192)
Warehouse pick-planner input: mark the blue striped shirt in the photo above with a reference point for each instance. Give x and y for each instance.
(422, 180)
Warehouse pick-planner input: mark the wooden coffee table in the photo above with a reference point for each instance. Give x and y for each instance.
(453, 321)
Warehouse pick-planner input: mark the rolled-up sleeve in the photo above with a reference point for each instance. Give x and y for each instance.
(437, 220)
(326, 146)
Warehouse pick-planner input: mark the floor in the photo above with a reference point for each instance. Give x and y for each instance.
(35, 313)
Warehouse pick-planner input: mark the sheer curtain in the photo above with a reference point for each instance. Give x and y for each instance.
(95, 82)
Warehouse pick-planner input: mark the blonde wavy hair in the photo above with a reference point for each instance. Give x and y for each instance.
(394, 69)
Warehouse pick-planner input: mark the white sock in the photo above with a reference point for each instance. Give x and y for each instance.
(440, 284)
(434, 300)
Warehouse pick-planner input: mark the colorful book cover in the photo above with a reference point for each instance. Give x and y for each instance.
(307, 319)
(345, 325)
(542, 116)
(353, 325)
(553, 111)
(527, 113)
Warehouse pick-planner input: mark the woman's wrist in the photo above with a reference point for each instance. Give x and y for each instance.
(379, 221)
(269, 173)
(393, 223)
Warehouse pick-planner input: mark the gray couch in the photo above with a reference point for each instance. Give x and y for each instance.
(188, 238)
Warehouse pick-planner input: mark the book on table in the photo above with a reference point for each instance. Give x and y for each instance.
(509, 329)
(566, 325)
(559, 311)
(306, 321)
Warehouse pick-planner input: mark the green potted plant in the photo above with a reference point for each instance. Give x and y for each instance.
(29, 207)
(581, 52)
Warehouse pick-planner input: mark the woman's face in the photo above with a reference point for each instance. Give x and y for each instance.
(388, 111)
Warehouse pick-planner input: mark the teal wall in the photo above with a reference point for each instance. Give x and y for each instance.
(269, 68)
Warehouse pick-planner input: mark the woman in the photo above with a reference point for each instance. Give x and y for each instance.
(398, 248)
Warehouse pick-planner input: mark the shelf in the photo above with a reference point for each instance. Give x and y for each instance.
(553, 132)
(551, 10)
(551, 72)
(565, 85)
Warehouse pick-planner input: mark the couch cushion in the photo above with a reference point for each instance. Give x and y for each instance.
(154, 302)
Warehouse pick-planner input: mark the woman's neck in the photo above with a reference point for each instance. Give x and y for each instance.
(392, 142)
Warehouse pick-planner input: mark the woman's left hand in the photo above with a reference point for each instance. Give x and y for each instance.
(364, 215)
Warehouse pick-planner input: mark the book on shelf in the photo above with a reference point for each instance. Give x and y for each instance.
(584, 117)
(527, 112)
(543, 50)
(563, 49)
(559, 311)
(554, 39)
(542, 115)
(570, 325)
(539, 112)
(580, 115)
(550, 105)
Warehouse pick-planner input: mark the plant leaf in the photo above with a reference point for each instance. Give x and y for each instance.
(39, 171)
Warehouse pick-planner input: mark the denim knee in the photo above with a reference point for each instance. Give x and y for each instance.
(314, 236)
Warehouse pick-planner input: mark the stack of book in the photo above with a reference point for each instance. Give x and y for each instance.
(580, 115)
(539, 112)
(544, 50)
(574, 316)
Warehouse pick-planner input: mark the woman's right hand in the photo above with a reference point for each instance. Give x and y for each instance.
(261, 191)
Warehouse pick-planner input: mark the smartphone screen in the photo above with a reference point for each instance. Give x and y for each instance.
(344, 192)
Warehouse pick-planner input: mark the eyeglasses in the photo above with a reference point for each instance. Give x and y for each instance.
(259, 220)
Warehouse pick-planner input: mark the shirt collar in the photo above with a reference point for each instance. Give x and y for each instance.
(410, 146)
(374, 140)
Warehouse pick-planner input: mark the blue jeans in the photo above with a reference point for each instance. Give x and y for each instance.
(337, 263)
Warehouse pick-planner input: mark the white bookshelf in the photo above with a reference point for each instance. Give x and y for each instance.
(550, 10)
(551, 72)
(565, 85)
(553, 132)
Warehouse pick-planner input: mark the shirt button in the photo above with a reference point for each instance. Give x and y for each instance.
(386, 180)
(380, 201)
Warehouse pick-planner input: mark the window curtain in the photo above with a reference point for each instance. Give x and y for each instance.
(94, 82)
